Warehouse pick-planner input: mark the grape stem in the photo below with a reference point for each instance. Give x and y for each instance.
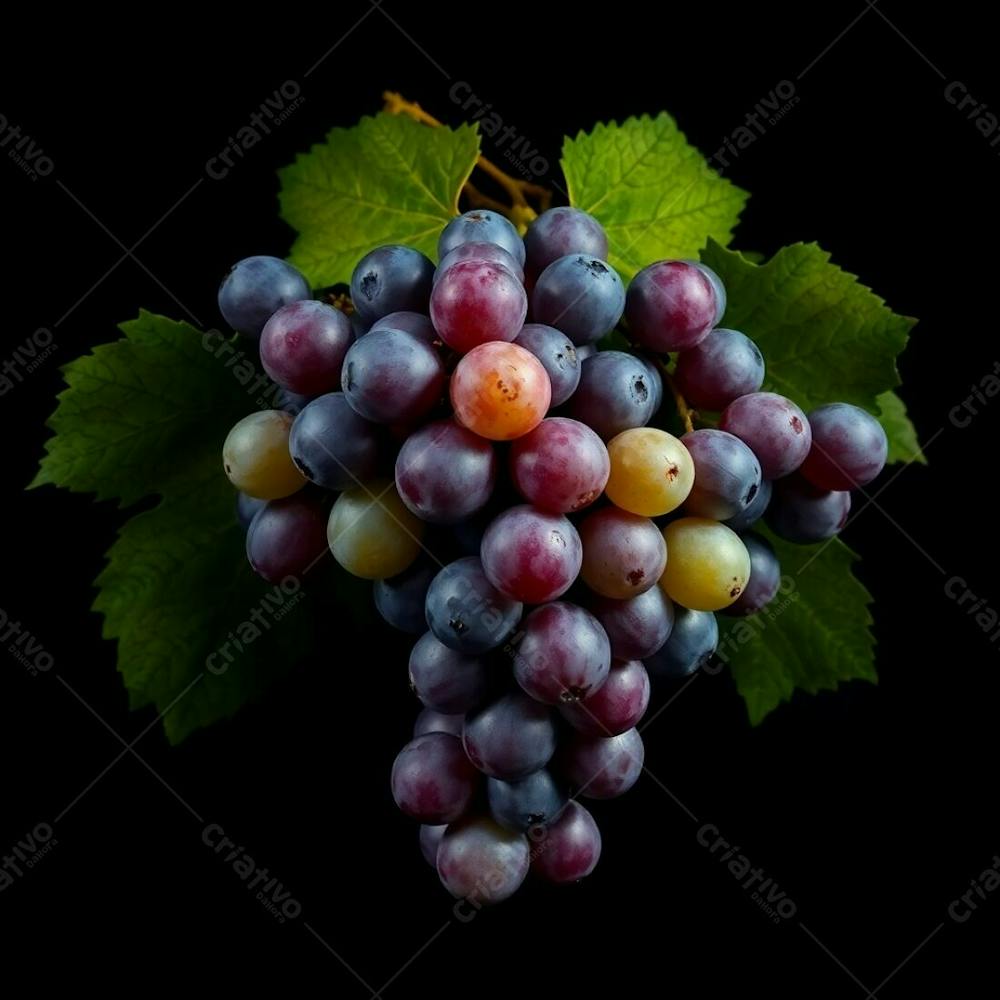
(520, 211)
(684, 411)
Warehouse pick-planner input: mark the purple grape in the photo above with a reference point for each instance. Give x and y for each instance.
(765, 577)
(580, 295)
(246, 507)
(717, 286)
(255, 289)
(418, 324)
(391, 376)
(466, 612)
(724, 366)
(560, 232)
(429, 721)
(287, 538)
(671, 306)
(571, 847)
(726, 474)
(481, 226)
(849, 448)
(531, 555)
(558, 355)
(623, 554)
(560, 466)
(400, 600)
(510, 738)
(618, 705)
(432, 779)
(638, 626)
(754, 511)
(692, 643)
(617, 391)
(302, 346)
(445, 473)
(603, 767)
(526, 804)
(480, 861)
(774, 428)
(476, 301)
(563, 654)
(492, 252)
(444, 679)
(799, 512)
(333, 446)
(430, 838)
(391, 279)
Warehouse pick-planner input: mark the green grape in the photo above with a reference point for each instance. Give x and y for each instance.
(371, 532)
(256, 458)
(707, 564)
(651, 471)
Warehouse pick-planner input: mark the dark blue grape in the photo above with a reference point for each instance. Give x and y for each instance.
(400, 599)
(692, 643)
(580, 295)
(391, 279)
(617, 391)
(481, 226)
(530, 802)
(255, 289)
(331, 445)
(510, 738)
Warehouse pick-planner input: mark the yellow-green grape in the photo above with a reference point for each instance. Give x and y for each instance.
(707, 564)
(371, 532)
(651, 471)
(256, 459)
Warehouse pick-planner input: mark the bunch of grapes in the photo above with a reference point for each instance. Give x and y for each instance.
(505, 486)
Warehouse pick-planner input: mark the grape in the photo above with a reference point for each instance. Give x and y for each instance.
(475, 302)
(531, 555)
(291, 402)
(255, 456)
(623, 554)
(500, 391)
(754, 512)
(558, 355)
(391, 376)
(571, 848)
(765, 577)
(775, 429)
(717, 286)
(510, 738)
(849, 447)
(707, 564)
(432, 779)
(287, 537)
(481, 226)
(603, 767)
(491, 252)
(444, 679)
(302, 346)
(430, 838)
(246, 507)
(255, 289)
(799, 512)
(429, 721)
(561, 231)
(529, 802)
(726, 474)
(671, 306)
(692, 643)
(651, 472)
(466, 612)
(636, 627)
(480, 861)
(400, 599)
(564, 654)
(560, 466)
(616, 706)
(617, 391)
(445, 473)
(580, 295)
(332, 445)
(724, 366)
(414, 323)
(391, 279)
(371, 533)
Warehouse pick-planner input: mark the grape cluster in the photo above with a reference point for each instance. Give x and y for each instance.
(506, 487)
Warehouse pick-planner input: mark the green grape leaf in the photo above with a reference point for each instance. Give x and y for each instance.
(198, 633)
(387, 179)
(903, 443)
(812, 637)
(825, 337)
(652, 191)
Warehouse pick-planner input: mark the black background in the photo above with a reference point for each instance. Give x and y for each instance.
(872, 807)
